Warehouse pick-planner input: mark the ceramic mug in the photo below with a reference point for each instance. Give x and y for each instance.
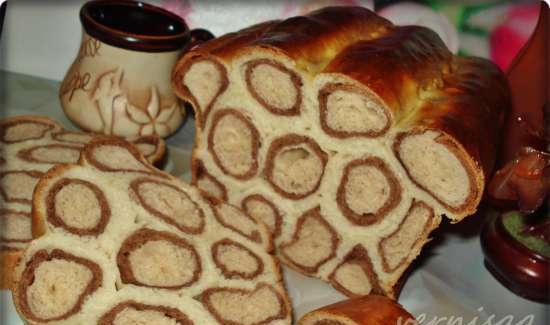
(119, 82)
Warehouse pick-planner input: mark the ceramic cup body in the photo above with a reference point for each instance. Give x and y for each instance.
(119, 83)
(117, 91)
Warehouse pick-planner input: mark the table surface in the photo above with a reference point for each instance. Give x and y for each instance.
(448, 284)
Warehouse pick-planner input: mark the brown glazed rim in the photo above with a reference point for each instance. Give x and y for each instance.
(134, 41)
(501, 229)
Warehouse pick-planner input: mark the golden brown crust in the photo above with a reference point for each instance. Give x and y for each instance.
(227, 43)
(400, 64)
(9, 258)
(470, 108)
(366, 310)
(305, 39)
(425, 87)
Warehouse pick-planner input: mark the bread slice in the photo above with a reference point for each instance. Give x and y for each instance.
(29, 146)
(122, 242)
(348, 136)
(366, 310)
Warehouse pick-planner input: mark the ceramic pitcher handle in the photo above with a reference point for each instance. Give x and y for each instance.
(198, 36)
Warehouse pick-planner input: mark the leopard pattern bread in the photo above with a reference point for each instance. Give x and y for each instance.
(122, 242)
(348, 136)
(29, 146)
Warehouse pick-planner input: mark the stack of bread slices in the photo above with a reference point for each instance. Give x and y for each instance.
(29, 146)
(121, 242)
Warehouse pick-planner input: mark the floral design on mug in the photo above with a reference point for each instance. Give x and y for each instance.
(114, 107)
(153, 119)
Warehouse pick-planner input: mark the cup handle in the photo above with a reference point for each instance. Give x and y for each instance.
(198, 36)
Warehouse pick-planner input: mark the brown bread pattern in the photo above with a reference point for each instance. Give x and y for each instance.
(121, 242)
(29, 146)
(380, 129)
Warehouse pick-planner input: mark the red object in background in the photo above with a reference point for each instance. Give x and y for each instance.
(524, 175)
(529, 79)
(524, 181)
(507, 39)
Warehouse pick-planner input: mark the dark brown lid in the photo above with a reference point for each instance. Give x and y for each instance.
(134, 25)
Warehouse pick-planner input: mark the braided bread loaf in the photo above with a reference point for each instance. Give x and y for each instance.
(348, 136)
(124, 243)
(29, 146)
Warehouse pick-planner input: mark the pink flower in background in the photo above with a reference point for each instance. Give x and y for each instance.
(228, 16)
(509, 37)
(294, 8)
(506, 26)
(181, 8)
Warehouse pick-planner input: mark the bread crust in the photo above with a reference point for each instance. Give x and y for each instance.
(9, 258)
(366, 310)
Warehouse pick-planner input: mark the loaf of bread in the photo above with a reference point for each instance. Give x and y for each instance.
(124, 243)
(366, 310)
(29, 146)
(348, 136)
